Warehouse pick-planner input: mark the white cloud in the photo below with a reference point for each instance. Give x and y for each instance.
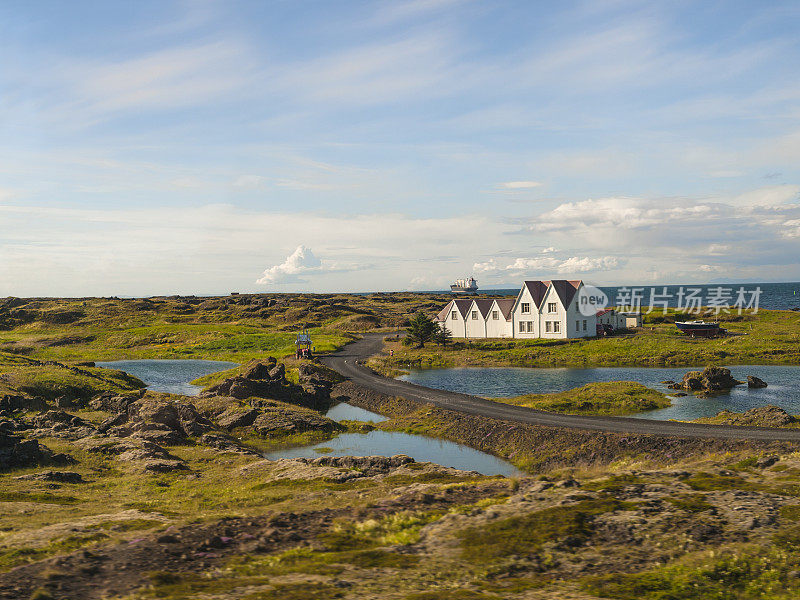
(520, 185)
(299, 263)
(718, 249)
(543, 264)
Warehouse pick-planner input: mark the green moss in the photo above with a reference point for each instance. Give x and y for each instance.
(707, 482)
(38, 497)
(398, 528)
(790, 512)
(692, 503)
(612, 483)
(19, 556)
(735, 573)
(602, 398)
(53, 380)
(526, 534)
(745, 463)
(452, 595)
(169, 585)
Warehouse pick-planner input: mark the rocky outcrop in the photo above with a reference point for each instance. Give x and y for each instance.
(158, 420)
(761, 416)
(263, 379)
(113, 402)
(237, 416)
(316, 384)
(61, 424)
(16, 452)
(266, 379)
(282, 421)
(14, 402)
(755, 382)
(178, 416)
(225, 443)
(709, 380)
(341, 469)
(54, 477)
(141, 453)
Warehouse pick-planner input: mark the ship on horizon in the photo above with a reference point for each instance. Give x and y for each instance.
(465, 285)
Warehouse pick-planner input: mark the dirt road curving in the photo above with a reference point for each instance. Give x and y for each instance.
(346, 362)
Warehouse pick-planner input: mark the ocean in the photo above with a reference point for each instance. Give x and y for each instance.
(778, 296)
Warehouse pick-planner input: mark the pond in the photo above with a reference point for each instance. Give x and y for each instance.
(505, 382)
(171, 376)
(387, 443)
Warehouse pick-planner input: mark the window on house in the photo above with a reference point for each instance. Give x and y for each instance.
(584, 324)
(530, 326)
(576, 306)
(551, 307)
(526, 307)
(474, 315)
(577, 325)
(495, 316)
(556, 327)
(548, 327)
(522, 326)
(454, 315)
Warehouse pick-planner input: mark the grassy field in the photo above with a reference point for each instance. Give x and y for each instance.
(769, 337)
(234, 328)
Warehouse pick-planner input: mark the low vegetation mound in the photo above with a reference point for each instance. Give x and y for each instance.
(603, 398)
(761, 416)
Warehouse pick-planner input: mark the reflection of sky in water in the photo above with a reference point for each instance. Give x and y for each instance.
(420, 448)
(783, 381)
(344, 411)
(387, 443)
(171, 376)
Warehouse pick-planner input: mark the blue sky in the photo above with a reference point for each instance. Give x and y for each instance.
(206, 147)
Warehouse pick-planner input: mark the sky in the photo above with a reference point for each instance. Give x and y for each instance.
(204, 147)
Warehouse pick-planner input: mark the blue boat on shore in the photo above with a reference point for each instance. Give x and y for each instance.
(700, 328)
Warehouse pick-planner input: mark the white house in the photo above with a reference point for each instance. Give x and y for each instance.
(454, 316)
(542, 309)
(498, 320)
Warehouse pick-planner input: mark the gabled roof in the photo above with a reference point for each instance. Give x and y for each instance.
(506, 305)
(605, 311)
(484, 305)
(565, 289)
(537, 290)
(463, 306)
(442, 316)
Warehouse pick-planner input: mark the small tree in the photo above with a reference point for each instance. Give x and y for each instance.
(443, 336)
(420, 330)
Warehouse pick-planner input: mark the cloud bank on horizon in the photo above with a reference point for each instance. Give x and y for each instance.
(172, 147)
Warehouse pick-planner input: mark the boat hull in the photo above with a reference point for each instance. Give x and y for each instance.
(700, 329)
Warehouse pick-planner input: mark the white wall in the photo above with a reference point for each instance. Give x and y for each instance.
(573, 314)
(530, 317)
(476, 325)
(455, 325)
(497, 328)
(558, 316)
